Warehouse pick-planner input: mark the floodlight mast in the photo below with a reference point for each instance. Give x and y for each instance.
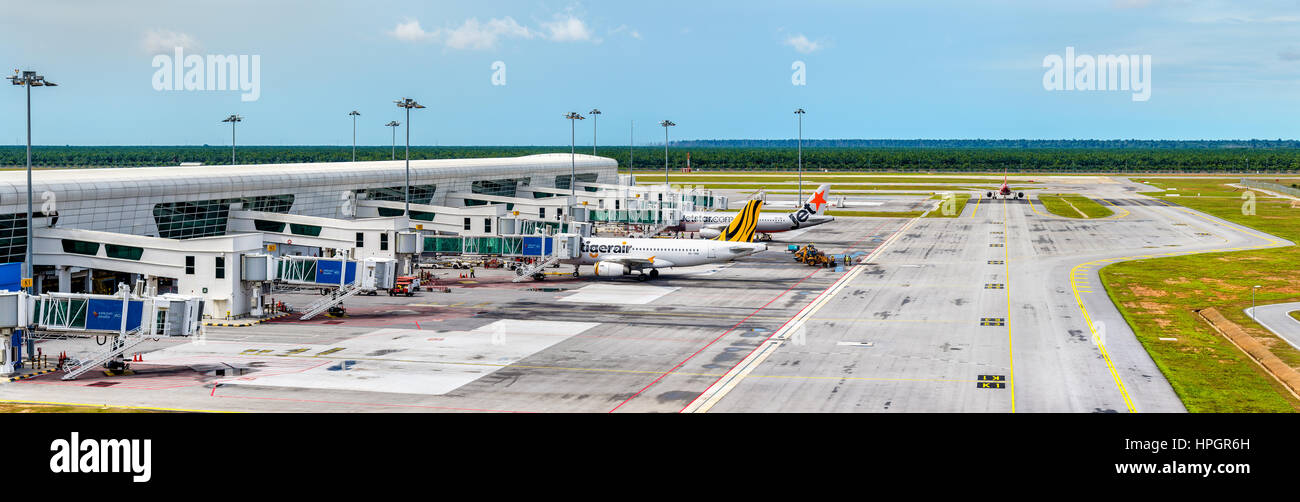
(666, 124)
(573, 162)
(29, 79)
(354, 115)
(393, 124)
(408, 104)
(593, 113)
(800, 113)
(233, 119)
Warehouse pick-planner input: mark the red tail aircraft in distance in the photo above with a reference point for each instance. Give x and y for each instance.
(1005, 191)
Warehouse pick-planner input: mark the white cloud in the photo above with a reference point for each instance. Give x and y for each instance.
(475, 35)
(623, 28)
(410, 31)
(166, 41)
(1131, 4)
(472, 35)
(567, 28)
(802, 44)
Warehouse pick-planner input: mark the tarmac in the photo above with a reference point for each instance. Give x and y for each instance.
(999, 310)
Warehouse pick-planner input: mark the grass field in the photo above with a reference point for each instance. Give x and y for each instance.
(877, 214)
(1073, 206)
(959, 206)
(1158, 298)
(1294, 314)
(834, 188)
(832, 192)
(811, 179)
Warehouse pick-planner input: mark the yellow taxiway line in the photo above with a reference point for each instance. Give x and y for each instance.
(714, 393)
(1011, 357)
(1081, 286)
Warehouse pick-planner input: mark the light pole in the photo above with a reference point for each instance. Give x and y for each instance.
(594, 113)
(631, 141)
(393, 124)
(408, 104)
(354, 115)
(233, 119)
(666, 124)
(800, 113)
(29, 79)
(573, 162)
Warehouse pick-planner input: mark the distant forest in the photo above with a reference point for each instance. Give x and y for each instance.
(1073, 156)
(1023, 144)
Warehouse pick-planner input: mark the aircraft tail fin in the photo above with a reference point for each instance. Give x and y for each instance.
(742, 227)
(818, 199)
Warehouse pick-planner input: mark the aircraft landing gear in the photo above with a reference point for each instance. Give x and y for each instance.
(765, 237)
(654, 273)
(575, 270)
(642, 277)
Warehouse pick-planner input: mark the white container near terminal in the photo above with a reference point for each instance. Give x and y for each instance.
(378, 273)
(257, 267)
(407, 243)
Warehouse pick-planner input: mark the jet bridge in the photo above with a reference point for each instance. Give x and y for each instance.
(124, 320)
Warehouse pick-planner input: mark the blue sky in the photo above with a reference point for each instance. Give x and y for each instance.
(719, 69)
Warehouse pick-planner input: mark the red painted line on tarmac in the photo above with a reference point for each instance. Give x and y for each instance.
(783, 325)
(371, 404)
(742, 321)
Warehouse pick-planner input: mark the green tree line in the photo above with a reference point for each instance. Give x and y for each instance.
(1055, 160)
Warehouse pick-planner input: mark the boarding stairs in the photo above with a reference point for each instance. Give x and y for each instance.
(333, 298)
(525, 272)
(117, 346)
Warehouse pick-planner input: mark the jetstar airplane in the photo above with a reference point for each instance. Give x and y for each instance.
(710, 224)
(1005, 191)
(617, 256)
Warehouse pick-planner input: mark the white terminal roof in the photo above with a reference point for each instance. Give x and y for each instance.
(92, 184)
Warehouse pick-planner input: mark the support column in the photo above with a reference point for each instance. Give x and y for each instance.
(6, 352)
(65, 278)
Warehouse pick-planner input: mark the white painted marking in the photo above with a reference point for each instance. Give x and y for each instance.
(420, 362)
(856, 344)
(712, 395)
(621, 294)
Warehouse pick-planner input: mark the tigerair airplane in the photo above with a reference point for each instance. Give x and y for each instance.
(617, 256)
(711, 224)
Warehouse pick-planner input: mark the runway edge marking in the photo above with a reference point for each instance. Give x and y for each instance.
(1074, 272)
(712, 395)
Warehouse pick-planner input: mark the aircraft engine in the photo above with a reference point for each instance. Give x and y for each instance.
(710, 233)
(610, 268)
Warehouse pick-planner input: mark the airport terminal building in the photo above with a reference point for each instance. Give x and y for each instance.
(184, 229)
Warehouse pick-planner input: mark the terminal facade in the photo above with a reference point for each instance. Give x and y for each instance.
(186, 229)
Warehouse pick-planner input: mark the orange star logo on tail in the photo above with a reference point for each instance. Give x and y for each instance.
(817, 200)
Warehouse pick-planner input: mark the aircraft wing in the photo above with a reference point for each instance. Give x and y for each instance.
(640, 263)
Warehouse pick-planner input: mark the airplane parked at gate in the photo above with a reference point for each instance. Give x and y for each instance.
(711, 223)
(617, 256)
